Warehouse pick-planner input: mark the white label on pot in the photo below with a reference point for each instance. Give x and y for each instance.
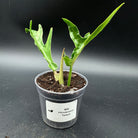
(61, 112)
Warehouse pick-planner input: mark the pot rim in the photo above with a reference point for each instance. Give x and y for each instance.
(62, 93)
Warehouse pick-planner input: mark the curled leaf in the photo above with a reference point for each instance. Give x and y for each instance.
(68, 61)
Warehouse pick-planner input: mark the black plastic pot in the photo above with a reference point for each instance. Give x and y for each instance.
(60, 110)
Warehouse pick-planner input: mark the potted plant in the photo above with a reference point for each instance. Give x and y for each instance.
(60, 92)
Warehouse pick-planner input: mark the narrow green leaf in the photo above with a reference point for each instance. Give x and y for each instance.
(47, 47)
(102, 26)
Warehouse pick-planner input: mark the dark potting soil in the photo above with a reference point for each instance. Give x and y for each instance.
(48, 82)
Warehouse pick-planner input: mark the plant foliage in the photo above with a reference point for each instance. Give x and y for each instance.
(44, 48)
(79, 41)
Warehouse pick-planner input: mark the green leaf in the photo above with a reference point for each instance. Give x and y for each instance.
(74, 33)
(79, 41)
(68, 61)
(102, 25)
(38, 40)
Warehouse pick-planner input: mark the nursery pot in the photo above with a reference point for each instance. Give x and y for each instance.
(60, 109)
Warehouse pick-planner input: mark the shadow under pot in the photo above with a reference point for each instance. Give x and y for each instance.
(60, 109)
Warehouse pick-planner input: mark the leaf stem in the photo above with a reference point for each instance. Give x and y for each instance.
(61, 80)
(56, 75)
(69, 77)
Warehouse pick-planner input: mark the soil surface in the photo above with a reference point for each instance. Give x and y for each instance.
(48, 82)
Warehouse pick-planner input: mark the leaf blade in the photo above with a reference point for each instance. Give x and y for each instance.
(38, 41)
(74, 33)
(68, 61)
(102, 25)
(79, 41)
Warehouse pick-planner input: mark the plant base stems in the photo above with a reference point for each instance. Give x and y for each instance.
(56, 75)
(61, 80)
(69, 77)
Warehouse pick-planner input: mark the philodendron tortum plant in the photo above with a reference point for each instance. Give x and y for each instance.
(79, 42)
